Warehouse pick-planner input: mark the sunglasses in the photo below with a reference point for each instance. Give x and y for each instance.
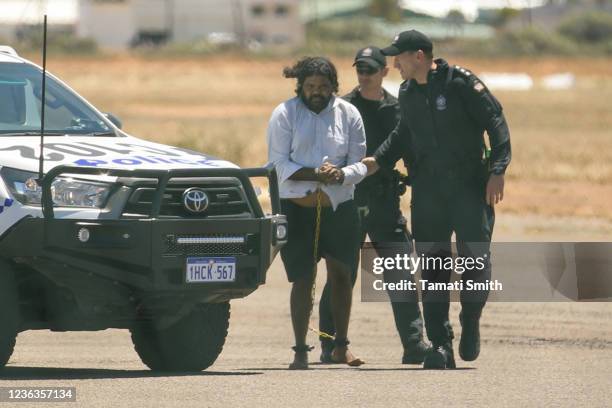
(366, 70)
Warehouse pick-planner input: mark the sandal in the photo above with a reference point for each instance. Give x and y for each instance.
(346, 357)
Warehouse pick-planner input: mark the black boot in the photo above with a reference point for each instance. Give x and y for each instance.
(469, 346)
(440, 357)
(415, 353)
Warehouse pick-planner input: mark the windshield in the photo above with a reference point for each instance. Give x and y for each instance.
(20, 103)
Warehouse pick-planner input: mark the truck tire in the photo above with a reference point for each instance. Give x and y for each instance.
(9, 314)
(191, 344)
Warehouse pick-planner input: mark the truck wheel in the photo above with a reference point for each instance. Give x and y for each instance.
(191, 344)
(9, 314)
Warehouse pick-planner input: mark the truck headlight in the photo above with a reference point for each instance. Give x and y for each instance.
(65, 191)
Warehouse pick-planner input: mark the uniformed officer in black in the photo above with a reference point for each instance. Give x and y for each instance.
(444, 112)
(378, 201)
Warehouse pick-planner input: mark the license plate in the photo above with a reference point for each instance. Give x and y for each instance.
(211, 269)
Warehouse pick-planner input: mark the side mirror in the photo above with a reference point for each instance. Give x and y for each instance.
(115, 120)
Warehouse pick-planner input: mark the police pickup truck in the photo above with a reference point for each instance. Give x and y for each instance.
(120, 232)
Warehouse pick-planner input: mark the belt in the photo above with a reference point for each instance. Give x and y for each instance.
(311, 200)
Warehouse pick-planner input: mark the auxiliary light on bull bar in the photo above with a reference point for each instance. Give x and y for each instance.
(210, 240)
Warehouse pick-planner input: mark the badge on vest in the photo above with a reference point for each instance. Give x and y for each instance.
(441, 103)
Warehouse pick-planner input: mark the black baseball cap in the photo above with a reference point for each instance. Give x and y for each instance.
(372, 56)
(411, 40)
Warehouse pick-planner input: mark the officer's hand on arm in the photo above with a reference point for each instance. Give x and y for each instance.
(495, 189)
(371, 164)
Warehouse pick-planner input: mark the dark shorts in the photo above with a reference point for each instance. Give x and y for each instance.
(338, 239)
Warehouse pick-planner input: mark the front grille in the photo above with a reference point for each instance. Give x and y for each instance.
(210, 244)
(226, 198)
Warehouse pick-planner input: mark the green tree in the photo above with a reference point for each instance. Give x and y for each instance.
(387, 9)
(504, 15)
(455, 17)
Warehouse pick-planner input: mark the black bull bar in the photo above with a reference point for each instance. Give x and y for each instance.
(163, 176)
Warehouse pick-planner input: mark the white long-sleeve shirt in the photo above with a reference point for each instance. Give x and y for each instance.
(299, 137)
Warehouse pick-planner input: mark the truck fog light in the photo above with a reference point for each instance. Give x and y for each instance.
(83, 235)
(281, 232)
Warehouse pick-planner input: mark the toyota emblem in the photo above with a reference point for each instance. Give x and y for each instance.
(195, 200)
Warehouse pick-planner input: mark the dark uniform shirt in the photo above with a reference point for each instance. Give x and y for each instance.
(379, 119)
(442, 126)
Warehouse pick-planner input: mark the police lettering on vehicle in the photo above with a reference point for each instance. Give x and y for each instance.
(8, 202)
(86, 154)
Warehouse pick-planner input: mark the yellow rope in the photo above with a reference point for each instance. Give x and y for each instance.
(316, 256)
(316, 242)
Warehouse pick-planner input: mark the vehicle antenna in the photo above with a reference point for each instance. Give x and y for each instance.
(41, 159)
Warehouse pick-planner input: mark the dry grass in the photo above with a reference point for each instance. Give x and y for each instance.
(562, 143)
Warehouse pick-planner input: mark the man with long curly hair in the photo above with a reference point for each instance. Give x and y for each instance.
(316, 141)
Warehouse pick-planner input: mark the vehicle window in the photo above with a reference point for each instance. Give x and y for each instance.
(12, 102)
(20, 105)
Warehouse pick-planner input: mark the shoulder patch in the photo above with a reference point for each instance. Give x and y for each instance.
(470, 79)
(460, 71)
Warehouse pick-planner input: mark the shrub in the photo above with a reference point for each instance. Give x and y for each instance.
(30, 39)
(533, 41)
(342, 36)
(591, 28)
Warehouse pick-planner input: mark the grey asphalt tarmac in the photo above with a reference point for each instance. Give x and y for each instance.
(533, 354)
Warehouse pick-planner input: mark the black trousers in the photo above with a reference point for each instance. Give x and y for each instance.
(440, 207)
(383, 221)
